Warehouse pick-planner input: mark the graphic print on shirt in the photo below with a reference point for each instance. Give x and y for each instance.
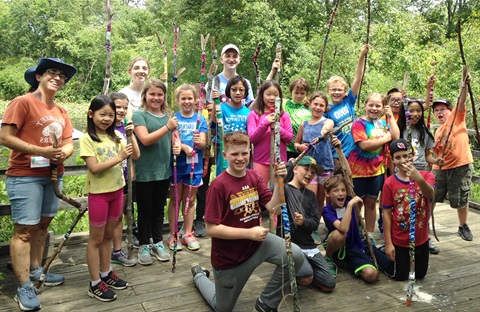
(245, 205)
(402, 205)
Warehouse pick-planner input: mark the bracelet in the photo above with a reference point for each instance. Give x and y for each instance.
(168, 128)
(64, 155)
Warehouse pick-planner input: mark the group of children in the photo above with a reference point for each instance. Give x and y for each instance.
(168, 148)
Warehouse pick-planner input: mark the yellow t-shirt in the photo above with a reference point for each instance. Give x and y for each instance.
(110, 180)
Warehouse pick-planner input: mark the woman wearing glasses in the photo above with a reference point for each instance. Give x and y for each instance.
(39, 135)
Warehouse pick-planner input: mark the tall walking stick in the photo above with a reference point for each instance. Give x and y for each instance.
(106, 82)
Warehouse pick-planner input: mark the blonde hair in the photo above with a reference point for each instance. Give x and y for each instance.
(155, 83)
(381, 96)
(185, 87)
(334, 181)
(336, 79)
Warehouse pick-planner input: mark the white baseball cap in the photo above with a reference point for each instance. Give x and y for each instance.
(229, 47)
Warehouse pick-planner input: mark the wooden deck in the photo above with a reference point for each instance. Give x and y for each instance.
(452, 283)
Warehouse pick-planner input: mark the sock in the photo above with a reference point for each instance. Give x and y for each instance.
(25, 284)
(104, 274)
(35, 269)
(95, 283)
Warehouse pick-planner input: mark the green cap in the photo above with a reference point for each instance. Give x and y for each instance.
(310, 161)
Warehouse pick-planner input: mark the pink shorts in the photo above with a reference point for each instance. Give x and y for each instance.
(321, 178)
(104, 207)
(264, 171)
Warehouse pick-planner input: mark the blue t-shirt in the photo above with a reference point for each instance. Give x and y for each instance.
(186, 128)
(234, 119)
(341, 113)
(322, 152)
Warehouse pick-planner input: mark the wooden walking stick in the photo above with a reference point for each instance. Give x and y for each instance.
(285, 214)
(106, 82)
(472, 99)
(278, 55)
(325, 39)
(67, 199)
(255, 64)
(164, 76)
(175, 73)
(366, 56)
(129, 199)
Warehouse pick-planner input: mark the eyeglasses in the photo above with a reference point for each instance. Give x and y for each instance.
(235, 90)
(396, 100)
(55, 72)
(335, 90)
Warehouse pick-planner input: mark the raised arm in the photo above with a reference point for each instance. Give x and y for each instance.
(359, 70)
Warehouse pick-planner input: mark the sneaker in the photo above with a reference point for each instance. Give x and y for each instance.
(144, 255)
(50, 278)
(199, 228)
(114, 281)
(262, 307)
(332, 266)
(316, 237)
(432, 249)
(190, 241)
(136, 242)
(171, 244)
(159, 251)
(26, 298)
(465, 233)
(101, 292)
(122, 258)
(197, 269)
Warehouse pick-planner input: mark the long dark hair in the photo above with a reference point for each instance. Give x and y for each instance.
(420, 126)
(258, 106)
(97, 103)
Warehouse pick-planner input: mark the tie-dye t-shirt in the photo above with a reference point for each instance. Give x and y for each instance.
(367, 163)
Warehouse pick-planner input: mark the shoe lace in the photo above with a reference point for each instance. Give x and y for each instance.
(31, 291)
(114, 276)
(103, 286)
(123, 254)
(190, 238)
(145, 250)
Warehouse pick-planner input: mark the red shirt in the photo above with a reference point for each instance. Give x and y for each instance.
(395, 196)
(235, 202)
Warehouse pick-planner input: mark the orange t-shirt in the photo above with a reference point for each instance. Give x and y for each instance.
(35, 121)
(458, 151)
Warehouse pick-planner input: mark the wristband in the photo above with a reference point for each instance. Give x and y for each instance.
(168, 128)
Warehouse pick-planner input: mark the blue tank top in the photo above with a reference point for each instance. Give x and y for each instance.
(322, 152)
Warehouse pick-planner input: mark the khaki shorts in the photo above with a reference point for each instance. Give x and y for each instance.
(456, 182)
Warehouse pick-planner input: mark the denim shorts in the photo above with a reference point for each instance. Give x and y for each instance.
(456, 182)
(32, 198)
(185, 179)
(370, 186)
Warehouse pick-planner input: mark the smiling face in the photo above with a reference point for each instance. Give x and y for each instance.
(230, 59)
(102, 118)
(400, 159)
(51, 80)
(121, 106)
(139, 71)
(337, 92)
(237, 93)
(186, 101)
(269, 97)
(154, 98)
(415, 110)
(374, 108)
(337, 195)
(303, 175)
(395, 101)
(238, 157)
(318, 106)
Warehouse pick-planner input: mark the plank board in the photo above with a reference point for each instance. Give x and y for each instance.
(452, 283)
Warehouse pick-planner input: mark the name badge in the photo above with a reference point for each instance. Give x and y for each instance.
(39, 162)
(192, 159)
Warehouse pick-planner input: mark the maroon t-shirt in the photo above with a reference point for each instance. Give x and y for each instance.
(235, 202)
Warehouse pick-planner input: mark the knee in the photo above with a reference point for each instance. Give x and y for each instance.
(305, 281)
(24, 233)
(369, 275)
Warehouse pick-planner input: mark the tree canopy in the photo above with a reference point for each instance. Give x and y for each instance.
(405, 35)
